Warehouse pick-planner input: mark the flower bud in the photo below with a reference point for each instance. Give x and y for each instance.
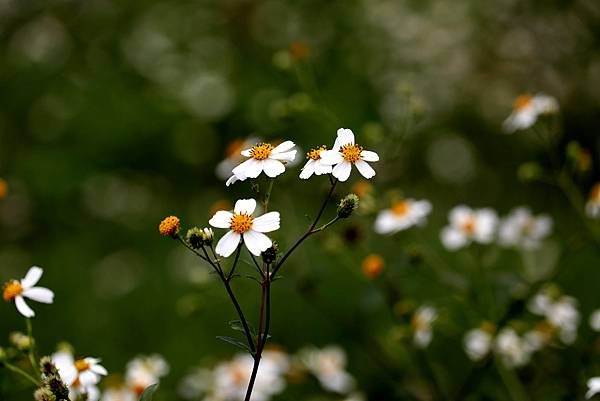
(169, 226)
(347, 206)
(270, 255)
(198, 237)
(44, 394)
(20, 341)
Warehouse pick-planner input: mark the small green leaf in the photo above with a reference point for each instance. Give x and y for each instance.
(149, 392)
(235, 342)
(238, 326)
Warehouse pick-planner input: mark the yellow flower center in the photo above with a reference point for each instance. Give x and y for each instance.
(469, 226)
(11, 290)
(169, 226)
(351, 153)
(401, 208)
(81, 365)
(522, 102)
(315, 154)
(261, 151)
(240, 223)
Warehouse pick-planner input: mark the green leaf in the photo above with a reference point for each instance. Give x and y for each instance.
(234, 341)
(238, 326)
(149, 392)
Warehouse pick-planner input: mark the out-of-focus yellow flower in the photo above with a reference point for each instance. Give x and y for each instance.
(169, 226)
(372, 266)
(3, 188)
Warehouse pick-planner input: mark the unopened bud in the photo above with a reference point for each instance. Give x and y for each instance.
(270, 255)
(21, 341)
(44, 394)
(198, 237)
(347, 206)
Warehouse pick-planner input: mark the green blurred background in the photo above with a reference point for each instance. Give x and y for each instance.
(115, 114)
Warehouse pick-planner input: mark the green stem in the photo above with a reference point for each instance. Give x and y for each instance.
(32, 348)
(21, 372)
(267, 197)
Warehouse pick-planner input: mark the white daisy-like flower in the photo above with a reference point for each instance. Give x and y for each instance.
(522, 229)
(328, 365)
(477, 343)
(315, 164)
(422, 324)
(263, 157)
(233, 156)
(144, 371)
(119, 394)
(244, 226)
(402, 215)
(468, 225)
(81, 376)
(593, 385)
(511, 348)
(595, 320)
(527, 109)
(346, 153)
(18, 290)
(592, 206)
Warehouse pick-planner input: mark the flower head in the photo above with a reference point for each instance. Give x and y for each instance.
(233, 156)
(169, 226)
(81, 376)
(478, 342)
(329, 367)
(512, 348)
(244, 226)
(527, 109)
(18, 290)
(402, 215)
(468, 225)
(347, 206)
(422, 324)
(144, 371)
(522, 229)
(315, 164)
(198, 237)
(593, 387)
(263, 157)
(345, 154)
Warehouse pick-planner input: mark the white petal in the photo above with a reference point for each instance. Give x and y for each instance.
(221, 219)
(228, 244)
(287, 156)
(39, 294)
(331, 157)
(459, 215)
(386, 223)
(246, 152)
(99, 370)
(256, 242)
(273, 167)
(342, 171)
(283, 147)
(88, 378)
(308, 169)
(369, 156)
(453, 239)
(344, 137)
(32, 277)
(23, 308)
(364, 168)
(321, 168)
(245, 206)
(232, 180)
(251, 168)
(266, 223)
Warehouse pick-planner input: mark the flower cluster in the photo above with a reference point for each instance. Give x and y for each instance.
(80, 375)
(527, 109)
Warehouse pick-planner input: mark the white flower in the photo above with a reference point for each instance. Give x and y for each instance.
(593, 387)
(564, 315)
(315, 164)
(263, 157)
(81, 376)
(346, 153)
(595, 320)
(195, 384)
(243, 225)
(18, 290)
(329, 367)
(402, 215)
(144, 371)
(511, 348)
(119, 394)
(527, 109)
(592, 206)
(522, 229)
(233, 156)
(468, 225)
(422, 323)
(477, 343)
(540, 303)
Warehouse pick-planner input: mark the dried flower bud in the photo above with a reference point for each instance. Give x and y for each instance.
(44, 394)
(347, 206)
(198, 237)
(270, 255)
(20, 341)
(169, 226)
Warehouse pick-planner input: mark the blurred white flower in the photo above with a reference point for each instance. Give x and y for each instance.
(521, 229)
(595, 320)
(263, 157)
(563, 314)
(329, 367)
(346, 153)
(315, 164)
(468, 225)
(244, 226)
(18, 290)
(402, 215)
(593, 387)
(527, 109)
(196, 383)
(592, 206)
(81, 376)
(233, 156)
(477, 343)
(144, 371)
(119, 394)
(540, 303)
(422, 324)
(511, 348)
